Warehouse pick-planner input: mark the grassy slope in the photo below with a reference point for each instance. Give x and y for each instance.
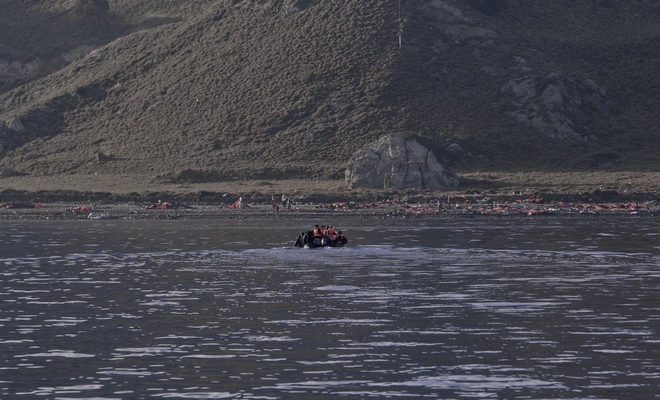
(228, 86)
(247, 89)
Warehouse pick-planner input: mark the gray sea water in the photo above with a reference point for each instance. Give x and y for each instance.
(504, 309)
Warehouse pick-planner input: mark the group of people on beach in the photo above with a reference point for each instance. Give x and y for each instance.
(286, 203)
(321, 236)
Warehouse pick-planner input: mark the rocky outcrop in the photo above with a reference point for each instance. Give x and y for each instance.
(555, 104)
(393, 162)
(15, 124)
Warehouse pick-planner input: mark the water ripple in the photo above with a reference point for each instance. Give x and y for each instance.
(571, 317)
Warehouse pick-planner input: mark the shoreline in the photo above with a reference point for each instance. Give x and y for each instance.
(329, 212)
(496, 194)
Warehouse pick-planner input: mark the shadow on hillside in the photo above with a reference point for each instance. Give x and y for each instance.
(56, 39)
(52, 34)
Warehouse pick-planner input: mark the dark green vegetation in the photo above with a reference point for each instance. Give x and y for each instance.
(226, 89)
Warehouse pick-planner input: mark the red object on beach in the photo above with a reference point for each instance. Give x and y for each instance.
(164, 206)
(81, 209)
(238, 204)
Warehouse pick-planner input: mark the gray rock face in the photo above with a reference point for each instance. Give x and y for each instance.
(454, 148)
(392, 162)
(554, 104)
(15, 124)
(449, 13)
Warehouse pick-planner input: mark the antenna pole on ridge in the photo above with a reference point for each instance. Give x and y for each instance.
(400, 30)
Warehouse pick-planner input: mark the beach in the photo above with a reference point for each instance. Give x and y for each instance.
(503, 194)
(438, 208)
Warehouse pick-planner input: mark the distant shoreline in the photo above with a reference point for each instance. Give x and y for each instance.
(492, 194)
(326, 212)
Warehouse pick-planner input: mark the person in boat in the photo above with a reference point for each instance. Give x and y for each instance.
(340, 239)
(317, 236)
(332, 234)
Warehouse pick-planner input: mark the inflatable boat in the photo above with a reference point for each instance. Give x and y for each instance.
(321, 237)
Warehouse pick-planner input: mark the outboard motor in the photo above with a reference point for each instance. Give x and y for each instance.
(299, 241)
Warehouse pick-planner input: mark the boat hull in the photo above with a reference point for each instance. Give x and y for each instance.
(306, 240)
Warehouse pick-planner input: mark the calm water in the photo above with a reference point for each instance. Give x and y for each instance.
(507, 309)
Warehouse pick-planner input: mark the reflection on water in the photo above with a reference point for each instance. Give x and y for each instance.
(467, 309)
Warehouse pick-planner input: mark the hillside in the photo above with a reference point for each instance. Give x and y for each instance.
(282, 89)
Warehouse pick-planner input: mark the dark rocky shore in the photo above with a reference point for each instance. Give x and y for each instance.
(17, 205)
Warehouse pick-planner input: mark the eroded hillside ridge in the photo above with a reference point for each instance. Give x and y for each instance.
(40, 37)
(280, 89)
